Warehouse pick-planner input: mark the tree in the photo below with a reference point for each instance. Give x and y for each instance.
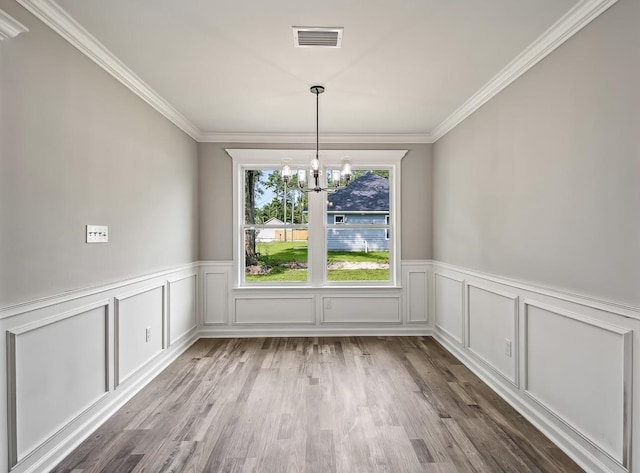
(284, 197)
(252, 187)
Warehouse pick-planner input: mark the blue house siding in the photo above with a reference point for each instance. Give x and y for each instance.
(357, 239)
(363, 202)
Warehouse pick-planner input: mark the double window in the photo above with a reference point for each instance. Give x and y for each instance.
(289, 237)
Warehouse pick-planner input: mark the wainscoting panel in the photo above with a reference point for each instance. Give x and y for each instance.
(283, 309)
(573, 362)
(492, 328)
(62, 360)
(135, 313)
(58, 368)
(361, 309)
(417, 299)
(577, 368)
(449, 300)
(216, 298)
(182, 306)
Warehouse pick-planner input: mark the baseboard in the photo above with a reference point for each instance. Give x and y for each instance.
(314, 331)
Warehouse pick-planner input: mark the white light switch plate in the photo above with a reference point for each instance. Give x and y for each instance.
(97, 234)
(507, 347)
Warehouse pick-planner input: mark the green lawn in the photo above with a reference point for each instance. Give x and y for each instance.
(284, 275)
(282, 252)
(277, 254)
(358, 275)
(359, 256)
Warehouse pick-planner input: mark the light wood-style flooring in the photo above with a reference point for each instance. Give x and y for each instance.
(317, 405)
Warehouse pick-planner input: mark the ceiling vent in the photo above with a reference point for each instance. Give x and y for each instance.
(313, 37)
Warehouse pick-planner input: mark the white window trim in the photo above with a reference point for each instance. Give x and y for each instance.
(300, 159)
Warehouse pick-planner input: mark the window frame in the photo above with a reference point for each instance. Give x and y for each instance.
(317, 226)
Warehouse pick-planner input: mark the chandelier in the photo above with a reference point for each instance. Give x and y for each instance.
(339, 178)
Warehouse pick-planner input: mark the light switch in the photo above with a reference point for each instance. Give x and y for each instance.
(97, 234)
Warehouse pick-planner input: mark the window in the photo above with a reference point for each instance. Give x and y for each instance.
(275, 238)
(286, 237)
(358, 250)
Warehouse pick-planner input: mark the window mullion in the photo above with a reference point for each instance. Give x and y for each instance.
(316, 238)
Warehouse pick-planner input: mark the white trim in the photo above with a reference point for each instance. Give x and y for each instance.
(515, 349)
(54, 16)
(569, 24)
(627, 380)
(397, 298)
(334, 138)
(462, 339)
(362, 158)
(315, 331)
(60, 298)
(581, 299)
(73, 435)
(10, 27)
(167, 315)
(12, 336)
(588, 454)
(116, 328)
(288, 297)
(317, 273)
(585, 458)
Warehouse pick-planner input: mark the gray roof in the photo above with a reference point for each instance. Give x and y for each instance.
(369, 192)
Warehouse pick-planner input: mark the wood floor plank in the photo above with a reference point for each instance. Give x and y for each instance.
(317, 405)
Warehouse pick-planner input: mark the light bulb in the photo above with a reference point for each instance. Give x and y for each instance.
(302, 178)
(346, 169)
(315, 164)
(335, 177)
(285, 172)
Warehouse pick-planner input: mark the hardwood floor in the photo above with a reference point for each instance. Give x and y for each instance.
(356, 405)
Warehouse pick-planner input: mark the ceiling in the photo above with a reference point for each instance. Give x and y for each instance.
(230, 67)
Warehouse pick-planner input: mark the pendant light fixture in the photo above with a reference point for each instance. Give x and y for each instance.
(339, 179)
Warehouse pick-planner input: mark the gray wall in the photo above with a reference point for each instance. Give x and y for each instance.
(79, 148)
(216, 197)
(543, 183)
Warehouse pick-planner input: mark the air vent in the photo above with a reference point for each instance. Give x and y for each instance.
(313, 37)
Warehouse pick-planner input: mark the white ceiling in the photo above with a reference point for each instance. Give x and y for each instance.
(230, 66)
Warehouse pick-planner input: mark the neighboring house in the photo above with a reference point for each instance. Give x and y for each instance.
(270, 234)
(280, 233)
(363, 202)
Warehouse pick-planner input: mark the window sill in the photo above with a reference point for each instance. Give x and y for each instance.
(336, 288)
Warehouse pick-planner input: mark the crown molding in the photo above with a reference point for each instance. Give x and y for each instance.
(569, 24)
(10, 27)
(341, 138)
(62, 23)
